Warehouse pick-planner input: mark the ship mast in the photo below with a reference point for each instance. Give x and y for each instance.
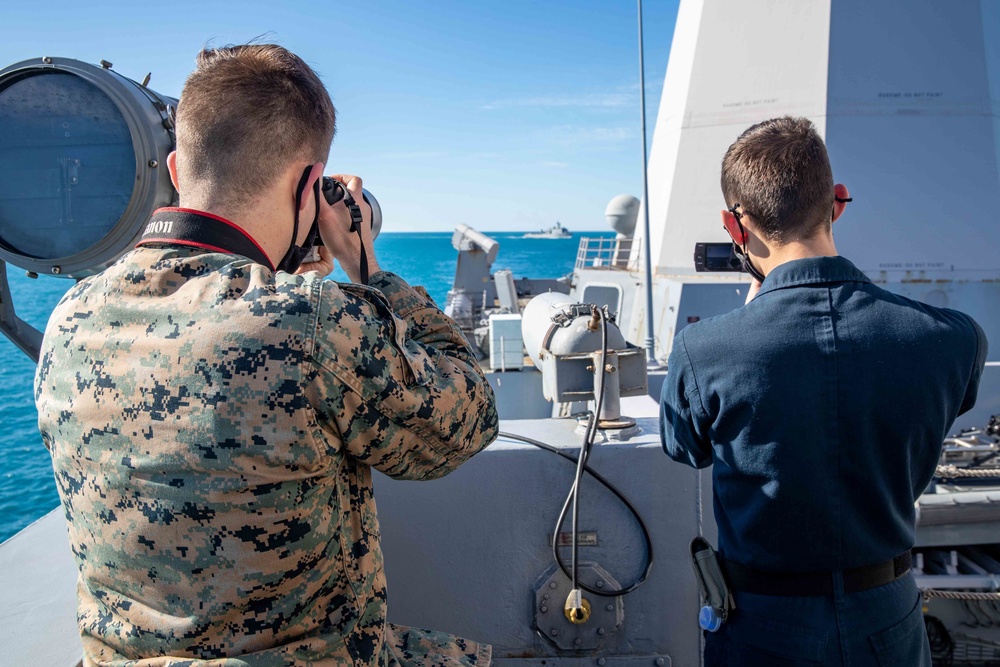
(650, 340)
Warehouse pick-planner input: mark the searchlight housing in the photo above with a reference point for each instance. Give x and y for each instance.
(83, 155)
(563, 342)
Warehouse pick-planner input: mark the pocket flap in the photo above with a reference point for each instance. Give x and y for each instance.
(904, 643)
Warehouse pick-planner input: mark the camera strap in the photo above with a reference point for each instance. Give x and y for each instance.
(356, 220)
(334, 192)
(197, 229)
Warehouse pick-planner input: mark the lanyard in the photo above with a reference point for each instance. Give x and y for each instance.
(197, 229)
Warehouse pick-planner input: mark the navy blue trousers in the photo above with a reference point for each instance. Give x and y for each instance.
(879, 627)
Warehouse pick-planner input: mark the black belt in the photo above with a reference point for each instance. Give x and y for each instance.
(744, 579)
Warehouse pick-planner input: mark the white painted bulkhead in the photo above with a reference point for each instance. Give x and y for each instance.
(909, 105)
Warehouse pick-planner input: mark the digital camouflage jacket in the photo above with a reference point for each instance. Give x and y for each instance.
(213, 426)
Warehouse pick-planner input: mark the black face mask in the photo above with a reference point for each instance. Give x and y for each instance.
(296, 253)
(741, 253)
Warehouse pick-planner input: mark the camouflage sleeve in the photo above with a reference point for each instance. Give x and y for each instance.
(396, 381)
(412, 647)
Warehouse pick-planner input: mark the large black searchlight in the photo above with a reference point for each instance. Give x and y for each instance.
(83, 154)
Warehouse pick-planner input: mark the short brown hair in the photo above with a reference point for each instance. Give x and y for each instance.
(245, 114)
(779, 173)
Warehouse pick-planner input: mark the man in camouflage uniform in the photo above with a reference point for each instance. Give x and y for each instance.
(213, 421)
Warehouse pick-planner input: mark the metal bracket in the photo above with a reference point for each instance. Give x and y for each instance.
(22, 334)
(607, 613)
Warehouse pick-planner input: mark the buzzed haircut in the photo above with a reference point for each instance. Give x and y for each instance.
(245, 114)
(779, 172)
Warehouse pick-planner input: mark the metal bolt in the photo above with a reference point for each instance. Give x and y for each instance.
(577, 642)
(600, 631)
(554, 632)
(543, 609)
(602, 661)
(154, 164)
(610, 607)
(56, 270)
(545, 597)
(660, 662)
(599, 584)
(552, 584)
(47, 60)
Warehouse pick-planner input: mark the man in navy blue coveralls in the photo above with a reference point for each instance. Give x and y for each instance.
(822, 404)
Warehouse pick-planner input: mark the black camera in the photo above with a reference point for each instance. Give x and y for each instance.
(716, 257)
(333, 192)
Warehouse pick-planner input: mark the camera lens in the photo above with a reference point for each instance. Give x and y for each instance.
(333, 192)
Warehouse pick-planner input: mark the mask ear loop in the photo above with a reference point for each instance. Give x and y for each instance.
(744, 255)
(839, 200)
(314, 229)
(299, 190)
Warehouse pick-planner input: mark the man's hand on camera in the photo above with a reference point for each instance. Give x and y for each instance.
(335, 230)
(323, 265)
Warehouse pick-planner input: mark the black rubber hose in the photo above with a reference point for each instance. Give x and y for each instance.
(618, 494)
(585, 447)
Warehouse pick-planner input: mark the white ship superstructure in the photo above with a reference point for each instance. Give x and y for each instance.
(908, 101)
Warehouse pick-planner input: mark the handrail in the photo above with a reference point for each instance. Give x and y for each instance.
(608, 254)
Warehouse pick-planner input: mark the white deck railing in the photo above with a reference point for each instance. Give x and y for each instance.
(610, 254)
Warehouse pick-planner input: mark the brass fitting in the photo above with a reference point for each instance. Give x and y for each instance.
(577, 608)
(595, 320)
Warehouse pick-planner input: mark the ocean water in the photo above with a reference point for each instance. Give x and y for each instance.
(27, 489)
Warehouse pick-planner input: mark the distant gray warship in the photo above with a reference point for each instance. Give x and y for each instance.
(557, 231)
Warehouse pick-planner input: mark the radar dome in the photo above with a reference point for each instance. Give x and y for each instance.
(621, 213)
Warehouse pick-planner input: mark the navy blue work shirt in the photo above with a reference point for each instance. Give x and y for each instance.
(822, 404)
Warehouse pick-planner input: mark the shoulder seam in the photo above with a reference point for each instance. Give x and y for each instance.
(694, 377)
(317, 293)
(812, 281)
(981, 352)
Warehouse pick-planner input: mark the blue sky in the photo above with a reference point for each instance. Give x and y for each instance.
(500, 115)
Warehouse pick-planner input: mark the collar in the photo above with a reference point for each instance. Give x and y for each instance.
(199, 229)
(812, 271)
